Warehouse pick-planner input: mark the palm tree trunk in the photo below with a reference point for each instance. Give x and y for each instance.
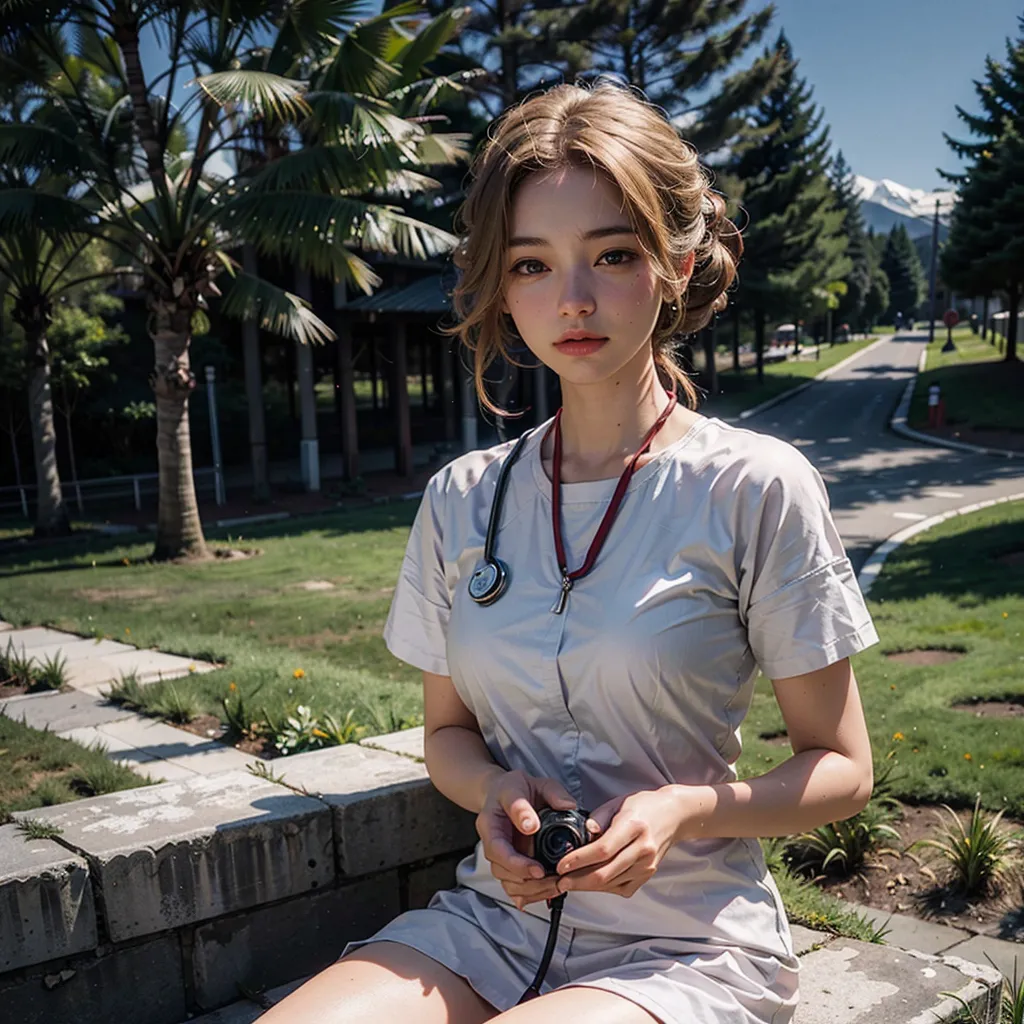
(51, 512)
(254, 390)
(179, 532)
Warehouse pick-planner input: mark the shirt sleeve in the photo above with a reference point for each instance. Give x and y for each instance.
(417, 623)
(798, 592)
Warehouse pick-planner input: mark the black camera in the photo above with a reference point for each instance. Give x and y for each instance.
(560, 833)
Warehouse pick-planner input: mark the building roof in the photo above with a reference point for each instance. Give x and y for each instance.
(427, 295)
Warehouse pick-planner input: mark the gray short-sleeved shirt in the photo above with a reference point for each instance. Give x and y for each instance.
(723, 559)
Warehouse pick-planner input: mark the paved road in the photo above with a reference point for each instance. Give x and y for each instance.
(878, 481)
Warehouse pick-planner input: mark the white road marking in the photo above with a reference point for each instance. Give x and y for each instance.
(837, 440)
(945, 494)
(909, 515)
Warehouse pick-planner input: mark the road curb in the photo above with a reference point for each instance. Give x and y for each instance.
(873, 566)
(824, 375)
(898, 425)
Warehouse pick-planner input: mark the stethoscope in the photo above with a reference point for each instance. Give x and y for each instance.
(490, 580)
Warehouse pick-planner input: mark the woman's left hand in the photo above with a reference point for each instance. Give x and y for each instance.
(633, 835)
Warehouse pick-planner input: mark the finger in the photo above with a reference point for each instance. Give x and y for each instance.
(605, 876)
(601, 817)
(497, 849)
(531, 890)
(521, 813)
(503, 874)
(555, 795)
(598, 852)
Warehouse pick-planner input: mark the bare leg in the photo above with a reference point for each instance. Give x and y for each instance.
(384, 981)
(593, 1005)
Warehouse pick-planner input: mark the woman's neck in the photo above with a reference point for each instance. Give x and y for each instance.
(603, 424)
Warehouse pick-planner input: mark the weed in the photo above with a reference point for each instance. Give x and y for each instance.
(348, 731)
(386, 720)
(33, 828)
(17, 667)
(102, 777)
(242, 724)
(176, 706)
(978, 856)
(126, 690)
(52, 674)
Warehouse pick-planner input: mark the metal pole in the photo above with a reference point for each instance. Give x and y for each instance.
(934, 266)
(218, 471)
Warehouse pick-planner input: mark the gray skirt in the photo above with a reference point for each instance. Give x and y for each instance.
(497, 948)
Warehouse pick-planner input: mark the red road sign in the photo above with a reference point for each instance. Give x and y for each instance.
(951, 318)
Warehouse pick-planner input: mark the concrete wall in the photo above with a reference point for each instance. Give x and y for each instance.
(160, 902)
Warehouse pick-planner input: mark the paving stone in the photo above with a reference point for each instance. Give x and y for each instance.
(978, 948)
(906, 932)
(408, 742)
(62, 711)
(37, 636)
(173, 854)
(141, 984)
(271, 945)
(165, 771)
(178, 746)
(386, 811)
(245, 1011)
(853, 982)
(117, 750)
(46, 902)
(96, 674)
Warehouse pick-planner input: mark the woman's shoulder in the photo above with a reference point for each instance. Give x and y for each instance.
(463, 474)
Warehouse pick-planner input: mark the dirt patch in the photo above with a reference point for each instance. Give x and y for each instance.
(1013, 708)
(779, 738)
(211, 727)
(914, 884)
(236, 554)
(313, 585)
(925, 656)
(117, 593)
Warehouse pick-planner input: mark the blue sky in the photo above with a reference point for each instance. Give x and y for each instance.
(889, 74)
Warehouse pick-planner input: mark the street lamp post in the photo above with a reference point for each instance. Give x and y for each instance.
(932, 275)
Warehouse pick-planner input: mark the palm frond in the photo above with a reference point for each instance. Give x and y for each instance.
(388, 230)
(260, 91)
(56, 216)
(35, 146)
(275, 309)
(411, 55)
(444, 149)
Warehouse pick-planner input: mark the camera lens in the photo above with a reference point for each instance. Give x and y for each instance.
(560, 833)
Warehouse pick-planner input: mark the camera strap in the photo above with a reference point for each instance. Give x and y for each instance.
(555, 906)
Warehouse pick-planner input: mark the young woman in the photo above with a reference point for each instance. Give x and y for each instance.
(600, 652)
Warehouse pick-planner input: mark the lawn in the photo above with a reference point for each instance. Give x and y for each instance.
(740, 391)
(956, 587)
(982, 392)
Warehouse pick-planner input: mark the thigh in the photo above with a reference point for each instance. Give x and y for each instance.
(383, 981)
(583, 1004)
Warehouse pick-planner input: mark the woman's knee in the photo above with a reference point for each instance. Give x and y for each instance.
(383, 981)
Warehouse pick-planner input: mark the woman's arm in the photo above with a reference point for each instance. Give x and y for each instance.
(828, 778)
(458, 761)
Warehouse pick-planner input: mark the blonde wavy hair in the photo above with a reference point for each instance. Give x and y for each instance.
(666, 194)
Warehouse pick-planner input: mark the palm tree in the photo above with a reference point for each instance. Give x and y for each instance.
(177, 215)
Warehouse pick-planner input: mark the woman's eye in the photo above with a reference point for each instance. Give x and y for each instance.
(620, 257)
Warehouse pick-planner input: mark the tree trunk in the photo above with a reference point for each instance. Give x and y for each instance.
(309, 445)
(1011, 327)
(759, 343)
(400, 378)
(345, 384)
(51, 512)
(179, 532)
(735, 338)
(254, 390)
(984, 321)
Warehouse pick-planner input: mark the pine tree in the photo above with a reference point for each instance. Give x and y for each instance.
(794, 243)
(858, 280)
(674, 50)
(902, 266)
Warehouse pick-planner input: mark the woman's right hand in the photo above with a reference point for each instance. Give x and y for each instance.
(506, 825)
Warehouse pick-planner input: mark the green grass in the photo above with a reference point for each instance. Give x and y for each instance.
(944, 588)
(740, 391)
(981, 390)
(38, 769)
(317, 647)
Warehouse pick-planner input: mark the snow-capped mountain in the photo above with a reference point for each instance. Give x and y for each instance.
(886, 203)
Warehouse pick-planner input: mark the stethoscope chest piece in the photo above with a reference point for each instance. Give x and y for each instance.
(489, 582)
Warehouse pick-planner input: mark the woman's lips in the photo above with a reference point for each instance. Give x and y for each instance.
(580, 346)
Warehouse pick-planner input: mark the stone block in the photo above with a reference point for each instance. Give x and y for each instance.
(94, 675)
(852, 982)
(274, 944)
(245, 1011)
(181, 852)
(62, 711)
(1008, 957)
(424, 880)
(908, 932)
(407, 742)
(46, 902)
(141, 984)
(24, 640)
(386, 811)
(806, 939)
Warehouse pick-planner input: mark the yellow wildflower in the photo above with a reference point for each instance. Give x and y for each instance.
(124, 561)
(892, 686)
(320, 732)
(1006, 615)
(127, 631)
(967, 757)
(231, 686)
(897, 736)
(299, 674)
(191, 668)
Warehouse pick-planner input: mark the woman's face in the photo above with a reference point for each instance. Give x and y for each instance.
(558, 279)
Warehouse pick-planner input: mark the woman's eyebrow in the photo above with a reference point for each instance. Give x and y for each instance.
(611, 229)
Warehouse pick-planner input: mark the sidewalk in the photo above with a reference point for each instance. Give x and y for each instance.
(154, 749)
